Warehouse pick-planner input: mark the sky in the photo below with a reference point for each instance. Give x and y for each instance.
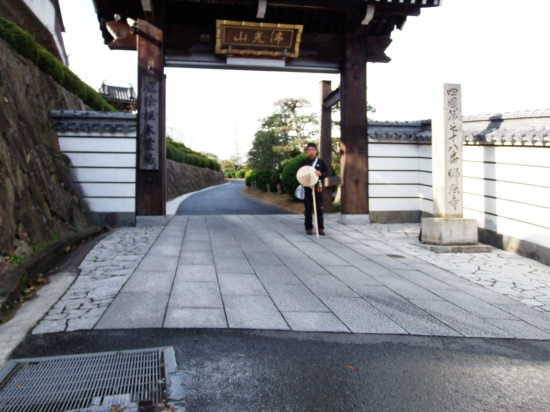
(498, 50)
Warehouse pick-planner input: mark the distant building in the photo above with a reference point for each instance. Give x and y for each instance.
(42, 19)
(121, 98)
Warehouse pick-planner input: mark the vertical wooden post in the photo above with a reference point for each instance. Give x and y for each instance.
(353, 145)
(325, 141)
(151, 151)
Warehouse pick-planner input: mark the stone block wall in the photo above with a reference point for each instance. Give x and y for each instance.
(39, 202)
(181, 178)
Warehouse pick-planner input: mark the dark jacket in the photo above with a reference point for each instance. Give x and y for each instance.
(321, 166)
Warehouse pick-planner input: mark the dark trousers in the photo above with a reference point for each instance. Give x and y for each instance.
(308, 202)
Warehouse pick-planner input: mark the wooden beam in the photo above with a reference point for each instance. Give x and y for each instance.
(376, 47)
(325, 141)
(332, 181)
(332, 99)
(353, 144)
(151, 151)
(398, 10)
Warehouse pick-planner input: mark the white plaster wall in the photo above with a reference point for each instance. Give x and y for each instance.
(399, 176)
(44, 10)
(104, 168)
(506, 188)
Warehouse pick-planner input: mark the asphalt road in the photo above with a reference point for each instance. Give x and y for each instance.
(289, 371)
(228, 199)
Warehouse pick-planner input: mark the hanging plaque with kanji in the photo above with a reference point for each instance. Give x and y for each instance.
(258, 39)
(149, 124)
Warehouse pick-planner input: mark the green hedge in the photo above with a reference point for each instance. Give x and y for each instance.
(23, 43)
(180, 153)
(262, 179)
(289, 175)
(249, 177)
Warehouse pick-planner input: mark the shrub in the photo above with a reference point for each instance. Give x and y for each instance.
(177, 152)
(171, 153)
(248, 177)
(23, 43)
(49, 64)
(288, 176)
(262, 178)
(240, 174)
(201, 161)
(275, 180)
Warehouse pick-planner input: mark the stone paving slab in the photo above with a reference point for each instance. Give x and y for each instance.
(294, 298)
(135, 310)
(461, 320)
(241, 285)
(253, 312)
(149, 282)
(196, 273)
(314, 322)
(195, 295)
(263, 272)
(182, 318)
(361, 317)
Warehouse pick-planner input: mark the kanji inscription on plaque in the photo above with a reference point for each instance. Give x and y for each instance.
(258, 39)
(149, 124)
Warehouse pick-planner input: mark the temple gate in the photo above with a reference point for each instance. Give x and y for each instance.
(315, 36)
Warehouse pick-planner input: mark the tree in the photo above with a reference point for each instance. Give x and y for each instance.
(233, 164)
(262, 156)
(282, 135)
(296, 130)
(211, 156)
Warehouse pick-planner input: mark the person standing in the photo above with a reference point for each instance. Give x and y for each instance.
(322, 171)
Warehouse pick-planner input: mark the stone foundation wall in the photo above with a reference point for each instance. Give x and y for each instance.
(398, 216)
(38, 202)
(512, 244)
(181, 179)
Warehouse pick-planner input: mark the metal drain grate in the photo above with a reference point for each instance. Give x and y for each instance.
(91, 381)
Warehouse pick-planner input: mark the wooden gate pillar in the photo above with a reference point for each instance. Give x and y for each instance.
(151, 150)
(325, 141)
(353, 145)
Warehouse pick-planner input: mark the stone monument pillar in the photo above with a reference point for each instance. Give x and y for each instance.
(448, 231)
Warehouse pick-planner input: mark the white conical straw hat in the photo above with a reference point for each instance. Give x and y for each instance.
(306, 176)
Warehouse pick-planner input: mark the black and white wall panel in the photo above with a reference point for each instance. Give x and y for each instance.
(102, 150)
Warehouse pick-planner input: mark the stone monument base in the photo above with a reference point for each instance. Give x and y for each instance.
(449, 231)
(445, 235)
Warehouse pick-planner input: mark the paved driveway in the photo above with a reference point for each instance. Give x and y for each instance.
(263, 272)
(227, 199)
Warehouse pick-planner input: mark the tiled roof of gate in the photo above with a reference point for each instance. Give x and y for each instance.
(530, 128)
(65, 121)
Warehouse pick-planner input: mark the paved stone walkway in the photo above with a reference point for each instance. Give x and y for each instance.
(263, 272)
